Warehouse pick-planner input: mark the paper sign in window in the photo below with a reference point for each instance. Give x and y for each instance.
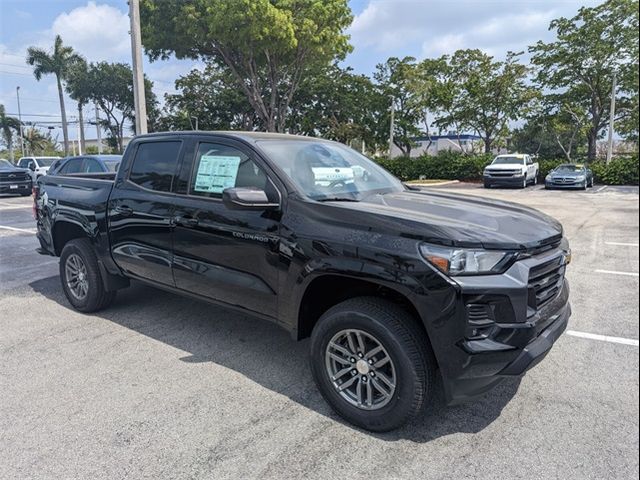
(216, 173)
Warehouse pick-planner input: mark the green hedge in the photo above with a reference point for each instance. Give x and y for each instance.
(444, 166)
(621, 171)
(456, 166)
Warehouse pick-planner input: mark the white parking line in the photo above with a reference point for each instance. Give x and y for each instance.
(613, 272)
(14, 229)
(621, 244)
(603, 338)
(602, 189)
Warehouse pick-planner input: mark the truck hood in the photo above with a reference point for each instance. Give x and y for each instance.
(506, 166)
(458, 220)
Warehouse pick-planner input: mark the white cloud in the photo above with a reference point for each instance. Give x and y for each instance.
(436, 27)
(99, 32)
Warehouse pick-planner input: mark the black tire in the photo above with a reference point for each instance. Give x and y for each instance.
(487, 185)
(406, 345)
(96, 297)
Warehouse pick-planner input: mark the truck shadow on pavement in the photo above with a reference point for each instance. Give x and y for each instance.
(265, 354)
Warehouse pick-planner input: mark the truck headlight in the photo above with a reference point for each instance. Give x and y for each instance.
(464, 261)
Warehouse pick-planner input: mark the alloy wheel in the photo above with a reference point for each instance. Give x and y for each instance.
(360, 369)
(76, 276)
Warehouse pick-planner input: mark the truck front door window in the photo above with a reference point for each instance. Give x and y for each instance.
(218, 167)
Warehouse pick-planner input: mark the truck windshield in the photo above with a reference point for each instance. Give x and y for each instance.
(508, 161)
(5, 164)
(329, 171)
(45, 162)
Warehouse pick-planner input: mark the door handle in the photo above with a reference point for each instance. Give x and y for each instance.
(186, 221)
(124, 210)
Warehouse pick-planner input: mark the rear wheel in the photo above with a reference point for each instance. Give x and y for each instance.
(80, 276)
(372, 363)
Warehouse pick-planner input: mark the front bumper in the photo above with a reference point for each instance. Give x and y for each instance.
(474, 353)
(576, 185)
(503, 181)
(20, 187)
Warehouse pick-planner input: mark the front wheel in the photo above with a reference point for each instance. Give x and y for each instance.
(80, 276)
(372, 363)
(525, 183)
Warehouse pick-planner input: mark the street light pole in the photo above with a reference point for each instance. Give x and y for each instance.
(612, 113)
(136, 60)
(393, 107)
(20, 121)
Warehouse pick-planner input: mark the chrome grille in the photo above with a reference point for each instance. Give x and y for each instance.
(504, 173)
(13, 176)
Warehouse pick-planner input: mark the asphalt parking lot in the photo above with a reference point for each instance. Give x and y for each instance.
(159, 386)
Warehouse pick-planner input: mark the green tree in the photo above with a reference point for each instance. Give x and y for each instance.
(396, 82)
(212, 96)
(111, 87)
(335, 103)
(8, 125)
(79, 89)
(38, 143)
(581, 62)
(56, 62)
(473, 91)
(268, 45)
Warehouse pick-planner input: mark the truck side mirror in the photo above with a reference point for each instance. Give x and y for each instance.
(244, 198)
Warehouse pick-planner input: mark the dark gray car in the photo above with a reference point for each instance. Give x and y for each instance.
(570, 175)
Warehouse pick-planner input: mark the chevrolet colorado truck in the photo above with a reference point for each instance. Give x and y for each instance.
(512, 170)
(395, 286)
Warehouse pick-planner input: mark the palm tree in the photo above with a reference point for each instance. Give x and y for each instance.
(79, 89)
(7, 125)
(58, 63)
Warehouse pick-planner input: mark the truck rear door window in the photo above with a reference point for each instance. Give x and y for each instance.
(155, 165)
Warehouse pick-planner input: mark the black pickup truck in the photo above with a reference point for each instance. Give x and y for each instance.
(395, 286)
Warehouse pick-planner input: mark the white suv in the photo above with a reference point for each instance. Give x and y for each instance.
(38, 166)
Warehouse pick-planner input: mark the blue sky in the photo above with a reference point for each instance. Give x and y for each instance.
(98, 29)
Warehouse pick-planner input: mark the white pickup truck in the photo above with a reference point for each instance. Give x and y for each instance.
(511, 170)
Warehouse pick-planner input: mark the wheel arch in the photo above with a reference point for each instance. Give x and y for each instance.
(326, 290)
(64, 231)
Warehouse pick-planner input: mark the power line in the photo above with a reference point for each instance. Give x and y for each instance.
(16, 73)
(16, 66)
(36, 115)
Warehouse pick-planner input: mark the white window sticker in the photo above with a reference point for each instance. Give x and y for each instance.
(216, 173)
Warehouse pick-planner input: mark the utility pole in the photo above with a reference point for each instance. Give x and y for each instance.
(612, 113)
(98, 127)
(79, 141)
(393, 108)
(20, 121)
(196, 119)
(136, 60)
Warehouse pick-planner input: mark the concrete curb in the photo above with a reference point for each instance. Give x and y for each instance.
(439, 184)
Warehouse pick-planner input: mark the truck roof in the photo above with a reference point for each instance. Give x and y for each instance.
(516, 155)
(250, 137)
